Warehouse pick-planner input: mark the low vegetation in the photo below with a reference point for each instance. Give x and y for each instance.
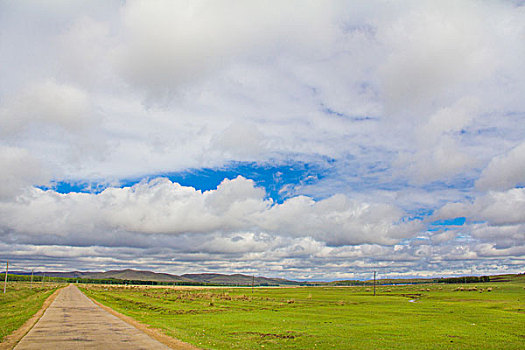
(20, 302)
(438, 316)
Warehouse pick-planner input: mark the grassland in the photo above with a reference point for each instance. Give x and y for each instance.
(20, 303)
(437, 316)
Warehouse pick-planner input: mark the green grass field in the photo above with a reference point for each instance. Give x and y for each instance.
(402, 317)
(20, 303)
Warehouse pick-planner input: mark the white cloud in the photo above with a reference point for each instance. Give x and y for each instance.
(505, 171)
(84, 50)
(399, 104)
(171, 43)
(443, 64)
(442, 161)
(19, 171)
(339, 221)
(449, 119)
(497, 208)
(46, 102)
(240, 141)
(501, 208)
(489, 250)
(218, 67)
(502, 235)
(445, 236)
(496, 218)
(163, 207)
(435, 48)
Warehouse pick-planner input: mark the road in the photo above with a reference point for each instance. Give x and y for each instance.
(73, 321)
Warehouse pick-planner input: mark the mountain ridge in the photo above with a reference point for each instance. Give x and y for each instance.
(142, 275)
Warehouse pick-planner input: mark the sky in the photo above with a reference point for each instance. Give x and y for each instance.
(310, 140)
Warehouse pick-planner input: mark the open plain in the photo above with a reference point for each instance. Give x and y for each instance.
(431, 316)
(424, 316)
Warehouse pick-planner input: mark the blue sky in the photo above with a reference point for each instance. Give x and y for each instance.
(274, 178)
(312, 141)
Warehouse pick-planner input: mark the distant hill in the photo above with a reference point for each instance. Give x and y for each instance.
(237, 279)
(137, 275)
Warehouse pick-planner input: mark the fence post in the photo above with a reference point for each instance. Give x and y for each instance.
(374, 283)
(6, 271)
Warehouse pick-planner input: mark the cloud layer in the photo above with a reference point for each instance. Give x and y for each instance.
(166, 208)
(412, 111)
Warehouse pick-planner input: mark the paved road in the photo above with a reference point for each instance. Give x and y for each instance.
(73, 321)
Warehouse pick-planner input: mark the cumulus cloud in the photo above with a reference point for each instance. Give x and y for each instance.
(83, 52)
(338, 220)
(163, 207)
(194, 39)
(505, 171)
(497, 208)
(19, 171)
(496, 218)
(240, 141)
(501, 235)
(442, 161)
(298, 76)
(436, 49)
(449, 120)
(46, 102)
(263, 254)
(399, 105)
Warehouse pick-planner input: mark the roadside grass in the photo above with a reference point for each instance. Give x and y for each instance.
(434, 316)
(20, 302)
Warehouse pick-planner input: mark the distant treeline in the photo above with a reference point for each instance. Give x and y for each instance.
(335, 283)
(390, 282)
(467, 279)
(182, 283)
(39, 278)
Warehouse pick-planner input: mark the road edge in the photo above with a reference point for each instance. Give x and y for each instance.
(11, 340)
(156, 334)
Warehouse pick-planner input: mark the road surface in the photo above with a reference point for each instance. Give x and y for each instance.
(73, 321)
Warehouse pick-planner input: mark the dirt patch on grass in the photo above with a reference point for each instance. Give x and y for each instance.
(415, 295)
(152, 332)
(12, 339)
(288, 335)
(465, 300)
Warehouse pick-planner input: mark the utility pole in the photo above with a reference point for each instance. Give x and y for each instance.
(253, 282)
(374, 283)
(6, 271)
(32, 278)
(43, 277)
